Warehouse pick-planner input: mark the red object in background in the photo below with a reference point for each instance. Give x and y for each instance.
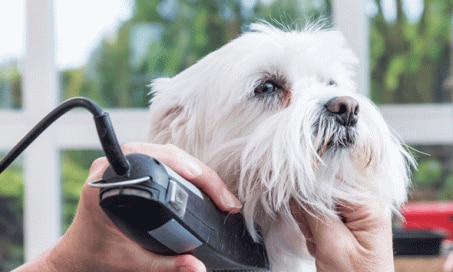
(434, 216)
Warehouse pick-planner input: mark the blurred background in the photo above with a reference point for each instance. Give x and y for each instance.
(110, 50)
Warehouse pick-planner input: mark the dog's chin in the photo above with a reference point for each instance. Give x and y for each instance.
(343, 138)
(347, 140)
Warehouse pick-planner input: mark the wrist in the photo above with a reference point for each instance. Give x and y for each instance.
(40, 263)
(73, 252)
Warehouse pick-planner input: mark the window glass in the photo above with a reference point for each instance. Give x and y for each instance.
(11, 216)
(84, 30)
(12, 21)
(147, 39)
(434, 179)
(410, 49)
(75, 166)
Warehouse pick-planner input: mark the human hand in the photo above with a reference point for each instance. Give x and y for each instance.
(94, 243)
(360, 241)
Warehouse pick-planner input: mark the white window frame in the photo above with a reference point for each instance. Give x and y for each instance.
(416, 124)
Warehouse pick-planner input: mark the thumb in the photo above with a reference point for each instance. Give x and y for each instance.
(319, 231)
(324, 230)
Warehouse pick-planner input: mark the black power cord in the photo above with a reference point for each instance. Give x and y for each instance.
(104, 128)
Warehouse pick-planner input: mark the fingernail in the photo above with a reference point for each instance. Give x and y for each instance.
(230, 200)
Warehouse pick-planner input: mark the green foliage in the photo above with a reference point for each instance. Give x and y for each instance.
(76, 165)
(11, 211)
(434, 179)
(410, 60)
(11, 182)
(164, 37)
(446, 192)
(12, 255)
(429, 173)
(10, 84)
(12, 190)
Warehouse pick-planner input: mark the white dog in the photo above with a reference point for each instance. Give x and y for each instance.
(276, 114)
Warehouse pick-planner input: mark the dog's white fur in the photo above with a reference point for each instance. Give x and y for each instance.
(274, 147)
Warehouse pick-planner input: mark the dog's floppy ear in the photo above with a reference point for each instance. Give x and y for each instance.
(173, 106)
(166, 111)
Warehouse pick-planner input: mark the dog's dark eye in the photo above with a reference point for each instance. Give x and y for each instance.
(267, 87)
(332, 83)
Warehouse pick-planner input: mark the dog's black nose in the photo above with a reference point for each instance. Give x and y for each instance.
(345, 110)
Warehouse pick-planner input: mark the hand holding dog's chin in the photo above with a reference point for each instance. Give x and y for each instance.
(360, 241)
(93, 243)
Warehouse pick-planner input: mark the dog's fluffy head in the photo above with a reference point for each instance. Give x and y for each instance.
(263, 111)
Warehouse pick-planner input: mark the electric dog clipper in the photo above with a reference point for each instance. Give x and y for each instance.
(168, 215)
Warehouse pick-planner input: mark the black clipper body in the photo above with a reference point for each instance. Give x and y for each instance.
(168, 215)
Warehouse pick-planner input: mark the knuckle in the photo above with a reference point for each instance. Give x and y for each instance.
(129, 148)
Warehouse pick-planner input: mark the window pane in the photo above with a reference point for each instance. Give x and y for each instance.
(12, 21)
(410, 47)
(75, 167)
(434, 179)
(11, 213)
(85, 69)
(153, 38)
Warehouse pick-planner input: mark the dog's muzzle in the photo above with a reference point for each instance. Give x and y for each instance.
(336, 127)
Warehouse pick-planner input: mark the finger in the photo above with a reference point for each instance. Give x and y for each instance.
(191, 169)
(89, 207)
(332, 245)
(183, 263)
(188, 263)
(173, 157)
(97, 168)
(329, 234)
(217, 190)
(370, 223)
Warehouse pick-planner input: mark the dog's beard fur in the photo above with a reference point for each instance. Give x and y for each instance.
(273, 144)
